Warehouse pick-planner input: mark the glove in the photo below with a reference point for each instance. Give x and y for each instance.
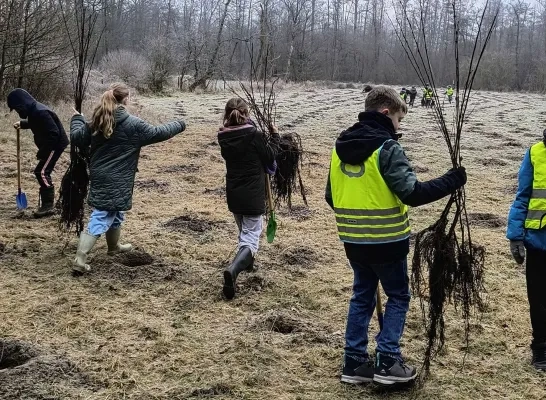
(460, 175)
(518, 251)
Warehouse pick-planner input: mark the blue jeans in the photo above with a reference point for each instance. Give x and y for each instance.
(101, 221)
(395, 283)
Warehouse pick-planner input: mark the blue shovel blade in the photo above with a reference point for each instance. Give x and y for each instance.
(21, 200)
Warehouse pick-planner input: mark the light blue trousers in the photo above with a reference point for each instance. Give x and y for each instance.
(101, 221)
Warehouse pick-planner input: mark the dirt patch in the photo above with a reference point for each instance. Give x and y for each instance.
(192, 179)
(419, 169)
(215, 390)
(300, 328)
(493, 162)
(486, 220)
(133, 267)
(27, 373)
(219, 191)
(191, 168)
(300, 256)
(299, 213)
(512, 143)
(191, 224)
(254, 283)
(14, 353)
(152, 184)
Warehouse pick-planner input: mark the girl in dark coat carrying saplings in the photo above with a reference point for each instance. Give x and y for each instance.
(249, 156)
(49, 137)
(114, 139)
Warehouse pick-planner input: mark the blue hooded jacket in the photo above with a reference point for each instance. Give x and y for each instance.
(532, 238)
(49, 133)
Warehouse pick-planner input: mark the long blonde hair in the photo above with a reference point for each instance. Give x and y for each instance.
(103, 120)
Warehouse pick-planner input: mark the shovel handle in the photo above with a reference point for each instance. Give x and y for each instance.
(269, 195)
(18, 159)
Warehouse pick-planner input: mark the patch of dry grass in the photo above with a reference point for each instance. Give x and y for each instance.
(157, 327)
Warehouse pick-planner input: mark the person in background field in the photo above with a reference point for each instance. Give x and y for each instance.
(449, 93)
(248, 156)
(404, 95)
(370, 186)
(49, 137)
(413, 95)
(527, 234)
(114, 138)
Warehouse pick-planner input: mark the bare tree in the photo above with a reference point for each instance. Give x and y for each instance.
(84, 35)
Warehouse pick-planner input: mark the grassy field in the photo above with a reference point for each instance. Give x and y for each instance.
(154, 325)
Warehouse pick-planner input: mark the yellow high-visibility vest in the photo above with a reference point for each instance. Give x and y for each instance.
(536, 212)
(367, 211)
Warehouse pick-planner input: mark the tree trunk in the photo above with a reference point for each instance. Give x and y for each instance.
(202, 80)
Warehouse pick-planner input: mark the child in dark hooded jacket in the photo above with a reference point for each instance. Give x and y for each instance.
(50, 138)
(248, 156)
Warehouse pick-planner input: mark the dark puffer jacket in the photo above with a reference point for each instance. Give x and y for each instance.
(49, 133)
(114, 161)
(247, 155)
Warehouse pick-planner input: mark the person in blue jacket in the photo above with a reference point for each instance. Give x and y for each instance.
(527, 235)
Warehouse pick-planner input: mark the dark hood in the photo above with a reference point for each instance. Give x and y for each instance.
(236, 140)
(358, 143)
(21, 101)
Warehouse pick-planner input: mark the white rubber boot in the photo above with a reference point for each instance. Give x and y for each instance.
(85, 245)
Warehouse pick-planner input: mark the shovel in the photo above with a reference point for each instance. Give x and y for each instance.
(21, 198)
(379, 309)
(271, 223)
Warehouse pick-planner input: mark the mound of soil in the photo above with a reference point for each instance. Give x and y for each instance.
(182, 168)
(132, 267)
(27, 373)
(486, 220)
(152, 184)
(191, 224)
(299, 213)
(300, 256)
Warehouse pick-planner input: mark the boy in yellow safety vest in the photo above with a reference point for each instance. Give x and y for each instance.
(370, 186)
(527, 234)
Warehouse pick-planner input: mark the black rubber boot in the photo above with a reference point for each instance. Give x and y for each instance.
(539, 357)
(243, 261)
(47, 200)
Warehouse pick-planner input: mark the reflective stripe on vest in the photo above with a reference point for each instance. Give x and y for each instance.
(536, 211)
(366, 209)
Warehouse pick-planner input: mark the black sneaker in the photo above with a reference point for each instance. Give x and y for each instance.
(357, 372)
(390, 370)
(539, 358)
